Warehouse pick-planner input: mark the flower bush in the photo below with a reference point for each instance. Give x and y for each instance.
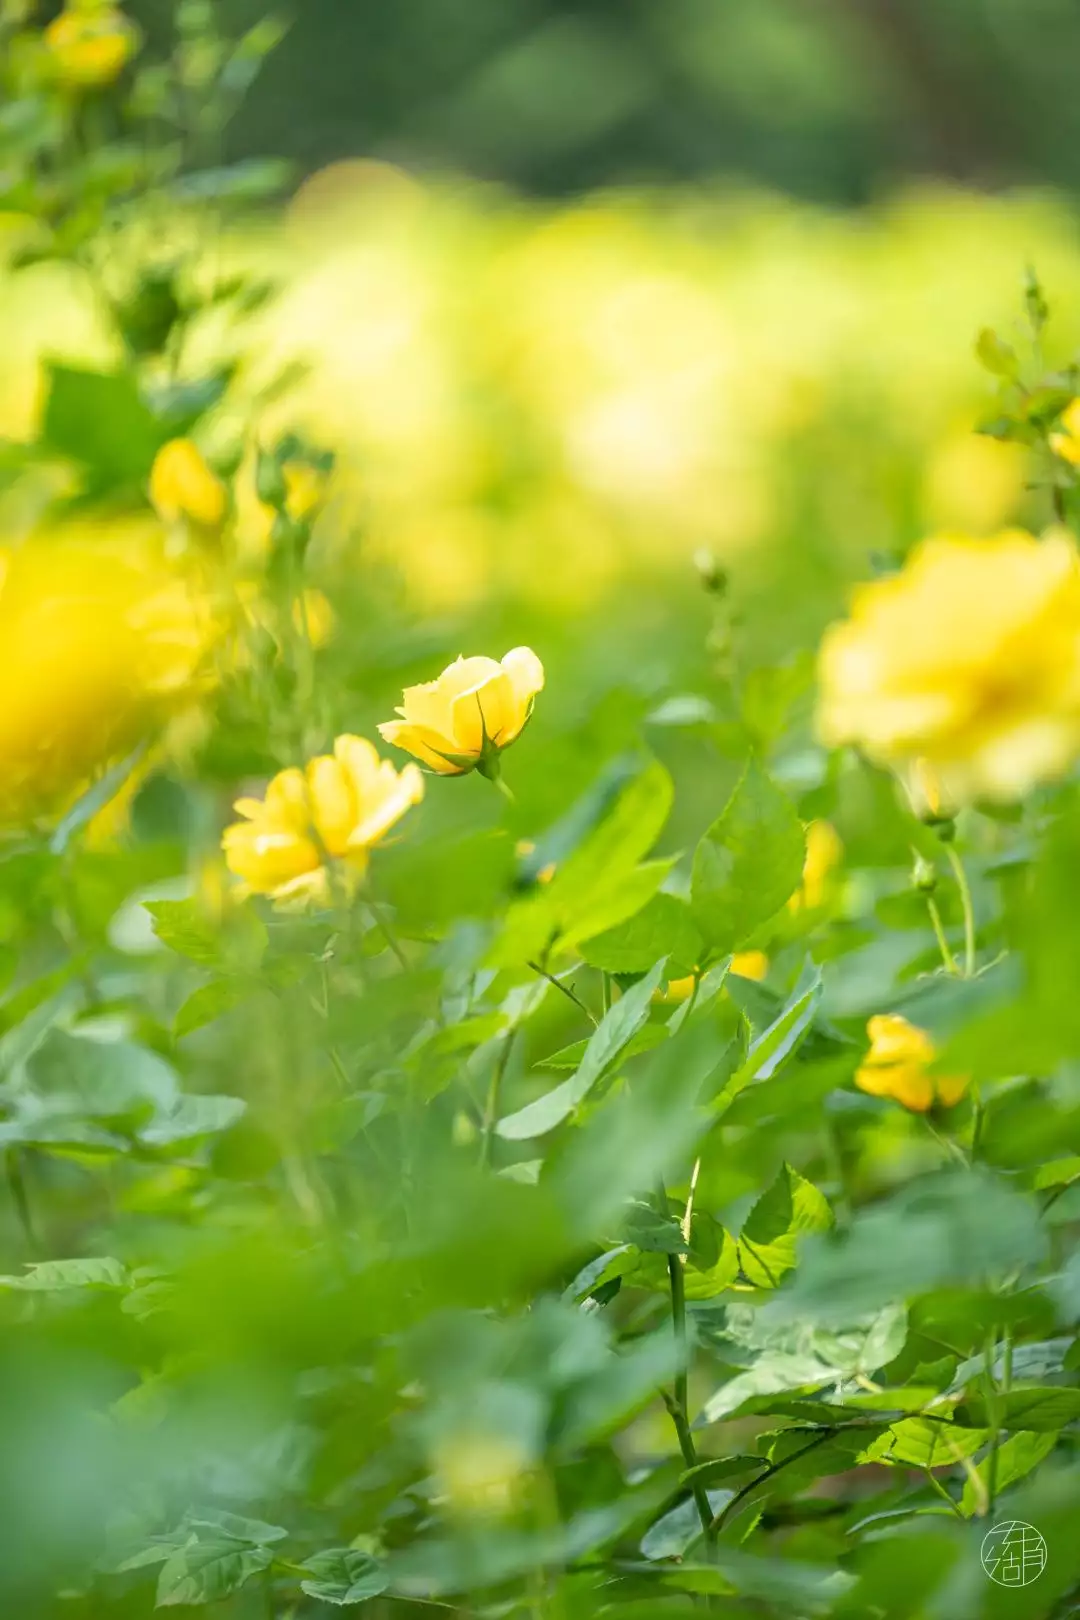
(650, 1189)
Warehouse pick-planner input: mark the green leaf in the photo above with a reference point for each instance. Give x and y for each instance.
(995, 354)
(923, 1442)
(183, 926)
(1038, 1407)
(663, 927)
(569, 1057)
(769, 1051)
(191, 1118)
(1016, 1457)
(207, 1571)
(767, 1242)
(608, 1043)
(56, 1276)
(103, 1079)
(773, 1373)
(99, 419)
(343, 1575)
(705, 1282)
(748, 863)
(96, 797)
(208, 1002)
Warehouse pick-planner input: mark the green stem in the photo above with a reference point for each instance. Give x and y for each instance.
(570, 994)
(386, 931)
(939, 933)
(605, 993)
(969, 910)
(943, 1493)
(995, 1419)
(491, 1107)
(678, 1404)
(727, 1513)
(20, 1197)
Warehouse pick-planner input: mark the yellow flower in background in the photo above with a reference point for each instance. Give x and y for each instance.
(339, 807)
(100, 648)
(1066, 440)
(183, 486)
(964, 667)
(90, 45)
(463, 720)
(824, 851)
(481, 1473)
(749, 965)
(897, 1063)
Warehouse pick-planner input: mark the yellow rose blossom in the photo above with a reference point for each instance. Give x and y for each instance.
(897, 1066)
(90, 45)
(338, 808)
(823, 853)
(100, 648)
(749, 965)
(964, 668)
(1066, 440)
(463, 720)
(182, 486)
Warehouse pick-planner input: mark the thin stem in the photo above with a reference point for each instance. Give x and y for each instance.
(942, 1492)
(491, 1107)
(969, 910)
(605, 992)
(386, 931)
(20, 1197)
(727, 1513)
(565, 990)
(939, 933)
(688, 1213)
(989, 1354)
(678, 1404)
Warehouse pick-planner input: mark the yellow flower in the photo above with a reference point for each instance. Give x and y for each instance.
(475, 709)
(481, 1473)
(964, 668)
(339, 807)
(90, 45)
(1066, 441)
(182, 486)
(897, 1063)
(823, 852)
(99, 649)
(749, 965)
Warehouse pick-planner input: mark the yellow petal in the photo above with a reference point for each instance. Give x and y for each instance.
(333, 802)
(394, 795)
(484, 715)
(431, 747)
(526, 674)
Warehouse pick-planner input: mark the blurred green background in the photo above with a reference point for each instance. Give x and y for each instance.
(832, 100)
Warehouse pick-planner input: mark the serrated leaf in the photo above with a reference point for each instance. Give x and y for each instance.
(208, 1002)
(663, 927)
(767, 1242)
(922, 1442)
(183, 927)
(748, 863)
(205, 1571)
(57, 1276)
(343, 1575)
(103, 1079)
(773, 1373)
(1016, 1457)
(1034, 1407)
(608, 1043)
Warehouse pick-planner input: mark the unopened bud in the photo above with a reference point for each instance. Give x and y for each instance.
(713, 578)
(923, 875)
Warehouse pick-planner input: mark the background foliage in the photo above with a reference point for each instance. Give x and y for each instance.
(358, 1256)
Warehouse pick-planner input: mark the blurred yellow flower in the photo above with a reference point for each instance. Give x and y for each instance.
(896, 1066)
(1066, 441)
(90, 45)
(823, 853)
(182, 486)
(463, 720)
(481, 1473)
(99, 648)
(964, 667)
(338, 808)
(973, 483)
(749, 965)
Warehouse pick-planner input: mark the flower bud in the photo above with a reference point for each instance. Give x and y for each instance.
(923, 875)
(714, 579)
